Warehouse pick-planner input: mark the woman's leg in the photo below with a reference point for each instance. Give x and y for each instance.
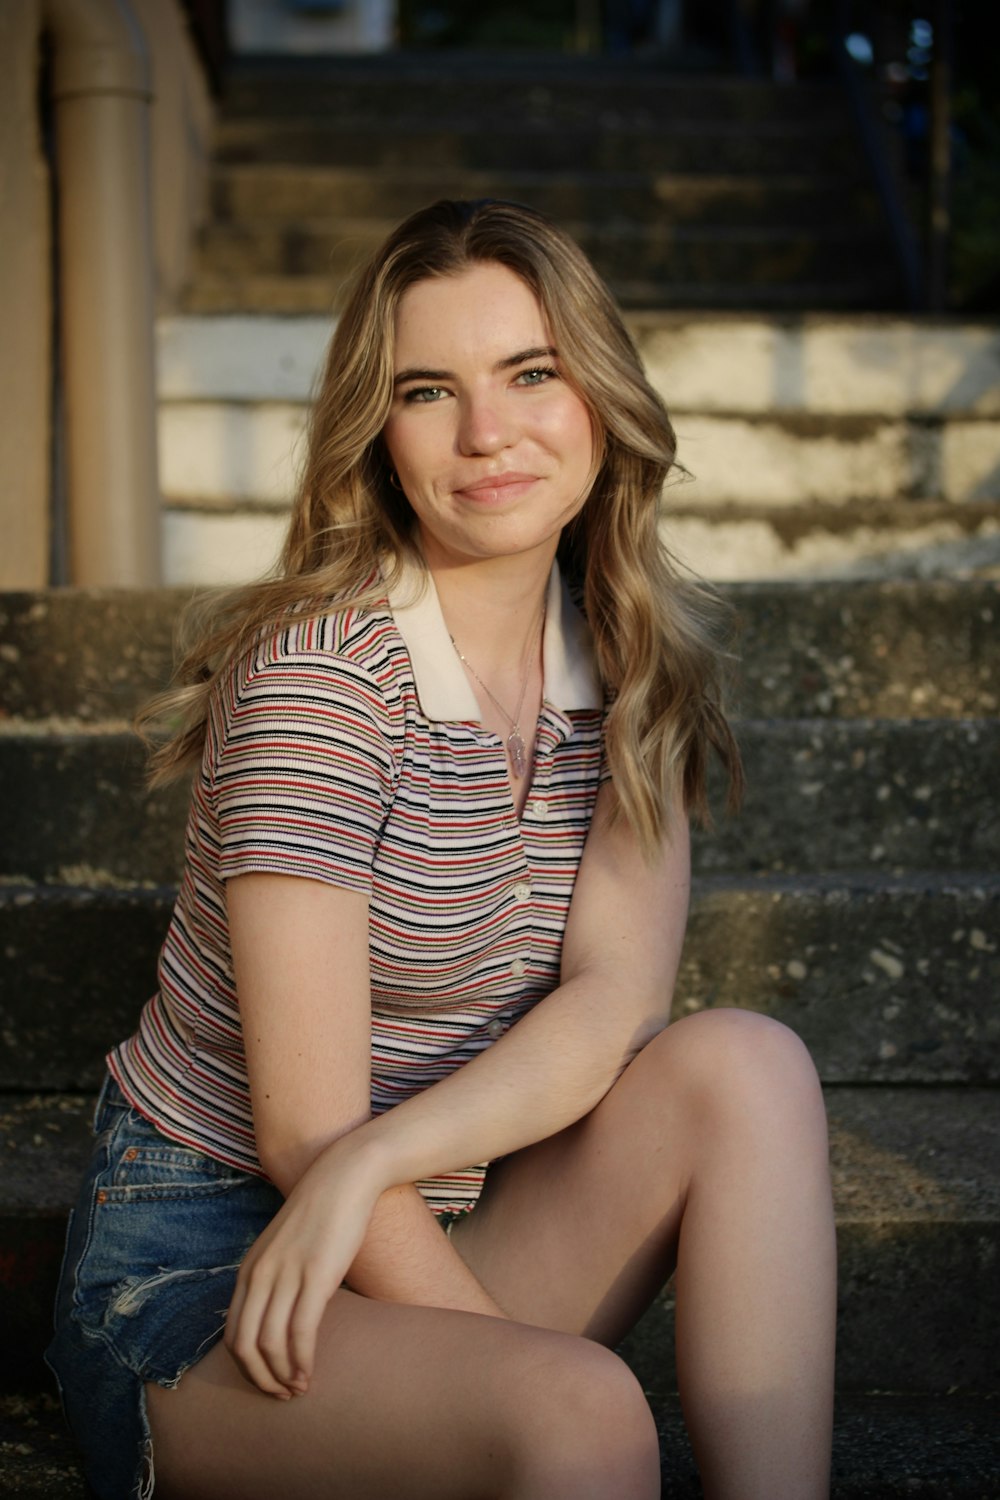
(710, 1152)
(413, 1403)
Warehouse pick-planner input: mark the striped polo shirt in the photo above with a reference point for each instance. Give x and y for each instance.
(348, 747)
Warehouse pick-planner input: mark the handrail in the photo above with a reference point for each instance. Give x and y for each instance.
(101, 92)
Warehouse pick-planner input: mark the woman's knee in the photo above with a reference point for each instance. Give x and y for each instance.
(728, 1060)
(590, 1429)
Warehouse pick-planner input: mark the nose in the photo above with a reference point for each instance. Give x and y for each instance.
(484, 426)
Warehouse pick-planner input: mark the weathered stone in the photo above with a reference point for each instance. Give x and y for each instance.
(862, 794)
(86, 654)
(630, 252)
(76, 965)
(719, 148)
(572, 91)
(927, 650)
(886, 980)
(919, 796)
(78, 812)
(919, 539)
(320, 193)
(924, 650)
(37, 1460)
(890, 981)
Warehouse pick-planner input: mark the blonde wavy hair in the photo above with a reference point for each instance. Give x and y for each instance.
(654, 628)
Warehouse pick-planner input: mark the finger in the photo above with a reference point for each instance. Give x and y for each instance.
(307, 1314)
(243, 1334)
(273, 1337)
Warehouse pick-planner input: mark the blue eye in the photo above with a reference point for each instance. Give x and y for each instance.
(424, 393)
(537, 376)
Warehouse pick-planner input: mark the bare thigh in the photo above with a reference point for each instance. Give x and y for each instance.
(410, 1403)
(581, 1231)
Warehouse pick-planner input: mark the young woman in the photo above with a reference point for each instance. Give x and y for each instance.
(419, 973)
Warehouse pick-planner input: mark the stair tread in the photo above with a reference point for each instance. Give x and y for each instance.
(888, 1167)
(920, 789)
(844, 650)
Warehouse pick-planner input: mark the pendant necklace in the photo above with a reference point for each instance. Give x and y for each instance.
(516, 748)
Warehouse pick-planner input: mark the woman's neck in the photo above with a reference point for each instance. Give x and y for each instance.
(493, 608)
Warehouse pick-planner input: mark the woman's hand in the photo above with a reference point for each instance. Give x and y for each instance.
(293, 1269)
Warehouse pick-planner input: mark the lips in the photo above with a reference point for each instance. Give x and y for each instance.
(506, 486)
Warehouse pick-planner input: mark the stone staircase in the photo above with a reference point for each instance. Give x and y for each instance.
(818, 444)
(858, 895)
(857, 898)
(708, 191)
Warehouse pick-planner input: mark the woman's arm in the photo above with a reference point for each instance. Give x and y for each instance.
(620, 957)
(300, 956)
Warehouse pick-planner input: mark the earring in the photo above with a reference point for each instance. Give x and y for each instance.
(394, 480)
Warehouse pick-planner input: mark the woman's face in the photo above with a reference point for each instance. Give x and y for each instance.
(493, 449)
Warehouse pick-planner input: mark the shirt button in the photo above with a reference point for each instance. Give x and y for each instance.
(517, 968)
(496, 1028)
(522, 890)
(540, 808)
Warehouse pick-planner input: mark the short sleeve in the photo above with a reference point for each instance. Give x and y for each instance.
(303, 771)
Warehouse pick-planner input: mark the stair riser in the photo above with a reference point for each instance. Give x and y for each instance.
(295, 296)
(260, 194)
(230, 452)
(842, 651)
(336, 249)
(560, 101)
(466, 144)
(883, 985)
(809, 366)
(921, 797)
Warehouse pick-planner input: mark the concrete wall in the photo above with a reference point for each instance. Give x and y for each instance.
(180, 141)
(25, 306)
(180, 128)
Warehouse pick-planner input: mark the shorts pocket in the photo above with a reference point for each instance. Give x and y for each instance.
(144, 1165)
(161, 1229)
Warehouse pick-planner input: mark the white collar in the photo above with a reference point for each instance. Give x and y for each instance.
(571, 679)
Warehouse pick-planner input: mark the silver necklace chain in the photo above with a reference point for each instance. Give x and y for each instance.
(516, 748)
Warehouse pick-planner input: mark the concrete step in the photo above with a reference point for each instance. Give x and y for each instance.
(884, 1447)
(738, 364)
(423, 141)
(921, 796)
(925, 650)
(231, 452)
(888, 980)
(215, 295)
(568, 92)
(311, 194)
(623, 250)
(918, 1212)
(819, 446)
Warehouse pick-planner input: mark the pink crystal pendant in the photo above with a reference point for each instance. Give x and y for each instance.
(515, 749)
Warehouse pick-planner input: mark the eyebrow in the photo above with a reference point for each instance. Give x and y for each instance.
(523, 357)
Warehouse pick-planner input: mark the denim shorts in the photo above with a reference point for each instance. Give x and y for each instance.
(152, 1251)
